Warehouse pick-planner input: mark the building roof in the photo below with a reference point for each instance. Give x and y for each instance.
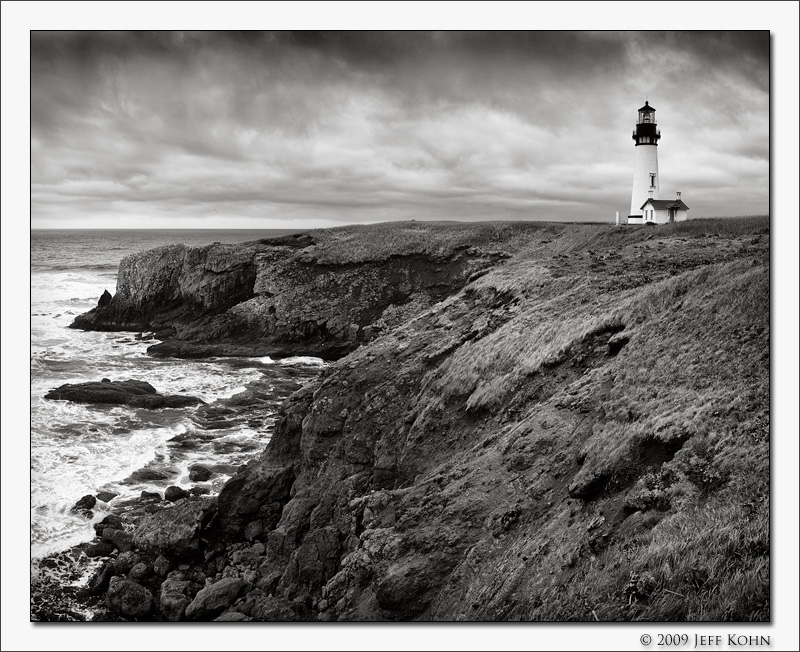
(662, 204)
(647, 107)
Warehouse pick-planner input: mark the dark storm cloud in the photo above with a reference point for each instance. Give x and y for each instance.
(744, 54)
(328, 127)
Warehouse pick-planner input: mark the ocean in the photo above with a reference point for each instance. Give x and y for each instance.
(81, 449)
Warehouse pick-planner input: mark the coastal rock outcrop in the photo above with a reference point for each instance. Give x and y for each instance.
(120, 539)
(213, 599)
(199, 473)
(515, 441)
(174, 598)
(112, 521)
(85, 504)
(174, 494)
(101, 549)
(128, 598)
(175, 530)
(135, 393)
(322, 293)
(173, 282)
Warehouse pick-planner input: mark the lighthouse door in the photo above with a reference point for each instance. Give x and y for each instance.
(672, 214)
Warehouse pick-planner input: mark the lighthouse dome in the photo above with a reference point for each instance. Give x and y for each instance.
(647, 108)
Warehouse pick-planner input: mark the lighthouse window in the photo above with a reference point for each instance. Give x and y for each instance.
(652, 180)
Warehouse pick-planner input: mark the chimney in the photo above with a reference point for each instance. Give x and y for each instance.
(679, 195)
(650, 193)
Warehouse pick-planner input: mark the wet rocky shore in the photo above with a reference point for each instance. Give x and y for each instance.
(145, 541)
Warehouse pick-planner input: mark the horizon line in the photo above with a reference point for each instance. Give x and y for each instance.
(333, 226)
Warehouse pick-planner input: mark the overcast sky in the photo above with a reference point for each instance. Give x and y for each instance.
(275, 130)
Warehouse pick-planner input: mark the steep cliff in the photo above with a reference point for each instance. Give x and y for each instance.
(578, 433)
(320, 293)
(582, 433)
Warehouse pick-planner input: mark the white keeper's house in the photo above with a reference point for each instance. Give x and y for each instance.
(646, 206)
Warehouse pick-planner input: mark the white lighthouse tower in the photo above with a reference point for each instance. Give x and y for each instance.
(645, 165)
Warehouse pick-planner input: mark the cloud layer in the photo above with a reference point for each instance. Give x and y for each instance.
(267, 130)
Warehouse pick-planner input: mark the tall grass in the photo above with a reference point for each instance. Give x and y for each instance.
(674, 429)
(564, 480)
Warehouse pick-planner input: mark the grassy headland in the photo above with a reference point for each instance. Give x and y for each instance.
(580, 433)
(551, 422)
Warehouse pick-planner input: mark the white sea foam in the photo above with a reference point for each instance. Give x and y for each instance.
(80, 449)
(305, 360)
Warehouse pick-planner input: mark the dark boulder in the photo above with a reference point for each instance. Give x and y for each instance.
(173, 605)
(139, 572)
(214, 599)
(260, 493)
(128, 598)
(106, 496)
(124, 562)
(101, 549)
(151, 495)
(175, 597)
(174, 531)
(85, 504)
(161, 566)
(150, 473)
(111, 521)
(135, 393)
(173, 494)
(199, 473)
(121, 540)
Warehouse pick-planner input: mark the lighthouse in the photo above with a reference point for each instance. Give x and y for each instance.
(645, 165)
(646, 207)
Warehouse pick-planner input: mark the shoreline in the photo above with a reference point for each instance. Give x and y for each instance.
(509, 438)
(67, 586)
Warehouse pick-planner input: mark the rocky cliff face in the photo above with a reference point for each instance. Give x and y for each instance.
(174, 284)
(533, 446)
(580, 433)
(283, 296)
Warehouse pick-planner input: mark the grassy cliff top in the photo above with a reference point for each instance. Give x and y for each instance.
(375, 242)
